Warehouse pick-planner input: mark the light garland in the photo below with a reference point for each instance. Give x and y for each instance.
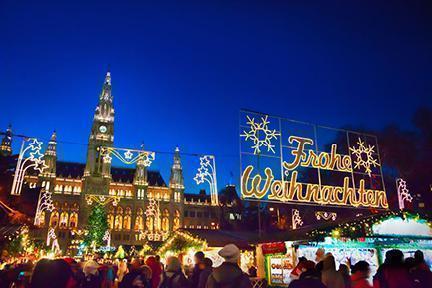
(325, 215)
(207, 172)
(102, 199)
(360, 228)
(186, 236)
(30, 157)
(128, 156)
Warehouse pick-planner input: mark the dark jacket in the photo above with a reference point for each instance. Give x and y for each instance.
(204, 275)
(130, 277)
(174, 280)
(228, 275)
(308, 279)
(194, 277)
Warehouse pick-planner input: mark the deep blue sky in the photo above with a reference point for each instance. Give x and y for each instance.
(181, 71)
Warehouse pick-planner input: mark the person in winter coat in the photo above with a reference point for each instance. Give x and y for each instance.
(420, 277)
(173, 276)
(156, 269)
(91, 275)
(206, 267)
(329, 276)
(194, 277)
(228, 274)
(138, 277)
(345, 272)
(309, 277)
(360, 274)
(393, 273)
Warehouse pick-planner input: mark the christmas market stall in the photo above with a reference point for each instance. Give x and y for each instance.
(367, 238)
(185, 242)
(370, 238)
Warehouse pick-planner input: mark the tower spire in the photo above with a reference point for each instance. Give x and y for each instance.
(176, 179)
(6, 144)
(50, 157)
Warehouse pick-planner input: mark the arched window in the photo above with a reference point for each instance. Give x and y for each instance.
(119, 210)
(139, 223)
(127, 222)
(54, 219)
(176, 222)
(118, 222)
(73, 220)
(127, 219)
(64, 217)
(149, 223)
(110, 219)
(165, 220)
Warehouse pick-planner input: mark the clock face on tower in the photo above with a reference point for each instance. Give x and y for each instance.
(102, 129)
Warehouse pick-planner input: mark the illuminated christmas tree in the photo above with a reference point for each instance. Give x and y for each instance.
(98, 225)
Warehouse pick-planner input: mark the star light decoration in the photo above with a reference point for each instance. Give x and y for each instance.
(207, 172)
(296, 219)
(403, 193)
(45, 203)
(260, 134)
(364, 157)
(128, 156)
(30, 157)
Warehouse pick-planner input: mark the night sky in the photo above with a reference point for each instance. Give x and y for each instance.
(181, 71)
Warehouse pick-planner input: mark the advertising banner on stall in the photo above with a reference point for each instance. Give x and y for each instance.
(289, 161)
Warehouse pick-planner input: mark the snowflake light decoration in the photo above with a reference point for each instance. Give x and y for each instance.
(364, 158)
(260, 134)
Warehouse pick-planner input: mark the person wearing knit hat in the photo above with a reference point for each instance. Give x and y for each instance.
(231, 253)
(229, 274)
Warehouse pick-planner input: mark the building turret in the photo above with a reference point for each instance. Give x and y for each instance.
(102, 132)
(6, 144)
(176, 178)
(50, 157)
(140, 178)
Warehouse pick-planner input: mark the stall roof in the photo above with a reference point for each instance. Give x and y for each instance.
(220, 238)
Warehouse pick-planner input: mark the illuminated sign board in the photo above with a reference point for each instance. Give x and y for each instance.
(294, 162)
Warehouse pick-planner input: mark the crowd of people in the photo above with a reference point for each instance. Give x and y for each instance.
(395, 272)
(139, 272)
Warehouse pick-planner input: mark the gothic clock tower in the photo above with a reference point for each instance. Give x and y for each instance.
(97, 174)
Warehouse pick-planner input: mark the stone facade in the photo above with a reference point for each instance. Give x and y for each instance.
(127, 192)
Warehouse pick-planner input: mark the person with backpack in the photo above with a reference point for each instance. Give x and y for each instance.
(229, 274)
(173, 276)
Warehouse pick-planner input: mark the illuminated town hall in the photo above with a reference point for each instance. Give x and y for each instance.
(140, 205)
